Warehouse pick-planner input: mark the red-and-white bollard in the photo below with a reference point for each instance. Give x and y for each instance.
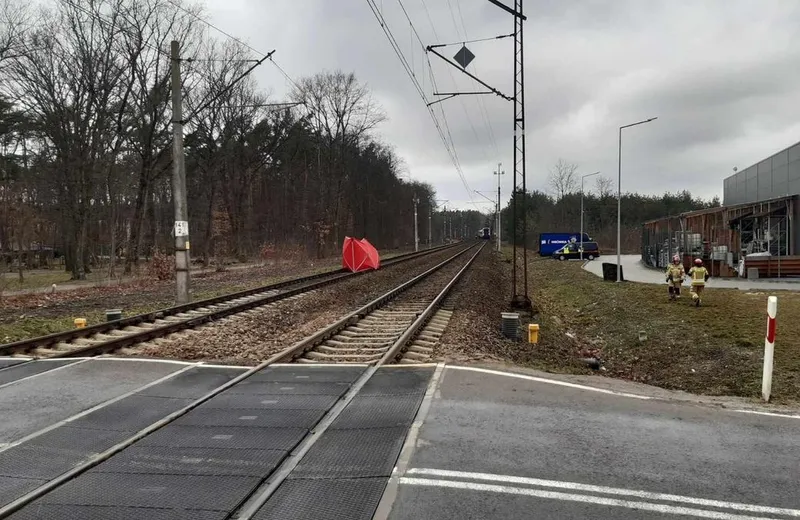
(769, 347)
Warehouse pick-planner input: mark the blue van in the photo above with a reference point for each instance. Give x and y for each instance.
(549, 243)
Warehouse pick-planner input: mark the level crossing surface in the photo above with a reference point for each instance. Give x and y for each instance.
(328, 442)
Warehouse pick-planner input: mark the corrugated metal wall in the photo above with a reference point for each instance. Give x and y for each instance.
(775, 176)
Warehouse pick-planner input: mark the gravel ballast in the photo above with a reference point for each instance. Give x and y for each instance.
(253, 336)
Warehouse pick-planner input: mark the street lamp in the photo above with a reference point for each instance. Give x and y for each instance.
(619, 195)
(587, 175)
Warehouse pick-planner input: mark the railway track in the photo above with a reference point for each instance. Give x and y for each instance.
(410, 318)
(391, 327)
(110, 336)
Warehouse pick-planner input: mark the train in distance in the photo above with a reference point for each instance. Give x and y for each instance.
(549, 243)
(484, 233)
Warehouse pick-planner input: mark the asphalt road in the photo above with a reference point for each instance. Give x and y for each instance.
(493, 446)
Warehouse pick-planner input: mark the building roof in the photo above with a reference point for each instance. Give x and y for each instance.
(719, 209)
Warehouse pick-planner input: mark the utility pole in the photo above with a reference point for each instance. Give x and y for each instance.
(181, 229)
(430, 220)
(498, 173)
(416, 234)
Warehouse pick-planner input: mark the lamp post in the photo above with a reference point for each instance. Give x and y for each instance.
(619, 195)
(498, 173)
(587, 175)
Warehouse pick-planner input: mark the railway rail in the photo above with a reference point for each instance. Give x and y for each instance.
(415, 320)
(110, 336)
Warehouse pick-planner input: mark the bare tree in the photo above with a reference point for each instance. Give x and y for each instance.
(604, 186)
(14, 21)
(342, 112)
(563, 178)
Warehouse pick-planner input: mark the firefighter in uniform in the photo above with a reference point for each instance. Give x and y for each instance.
(699, 276)
(675, 276)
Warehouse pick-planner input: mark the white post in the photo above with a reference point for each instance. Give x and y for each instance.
(430, 218)
(416, 234)
(582, 219)
(769, 348)
(499, 173)
(582, 178)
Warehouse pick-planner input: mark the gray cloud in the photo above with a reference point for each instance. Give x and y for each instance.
(720, 75)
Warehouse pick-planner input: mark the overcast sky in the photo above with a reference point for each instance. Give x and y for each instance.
(722, 77)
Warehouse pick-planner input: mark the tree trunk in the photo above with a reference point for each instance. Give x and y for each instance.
(137, 225)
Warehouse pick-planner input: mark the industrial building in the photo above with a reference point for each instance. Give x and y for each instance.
(751, 235)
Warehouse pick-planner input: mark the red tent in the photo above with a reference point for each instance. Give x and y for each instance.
(359, 255)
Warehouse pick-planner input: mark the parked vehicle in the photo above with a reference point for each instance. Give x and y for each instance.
(549, 243)
(573, 251)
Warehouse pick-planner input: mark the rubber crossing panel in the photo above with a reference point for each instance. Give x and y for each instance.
(212, 493)
(193, 461)
(352, 454)
(271, 402)
(131, 414)
(316, 374)
(73, 512)
(344, 473)
(346, 499)
(192, 384)
(229, 437)
(289, 387)
(12, 488)
(251, 418)
(210, 459)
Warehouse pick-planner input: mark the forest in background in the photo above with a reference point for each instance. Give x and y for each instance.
(86, 151)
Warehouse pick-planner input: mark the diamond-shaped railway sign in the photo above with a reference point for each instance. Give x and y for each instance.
(464, 57)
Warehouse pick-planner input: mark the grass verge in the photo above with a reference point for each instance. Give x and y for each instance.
(716, 349)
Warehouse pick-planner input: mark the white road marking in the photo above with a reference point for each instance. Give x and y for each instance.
(574, 486)
(570, 497)
(548, 381)
(603, 390)
(770, 414)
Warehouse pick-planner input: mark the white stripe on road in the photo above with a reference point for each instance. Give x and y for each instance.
(548, 381)
(574, 486)
(570, 497)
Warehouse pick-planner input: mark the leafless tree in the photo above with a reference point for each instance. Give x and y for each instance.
(342, 112)
(604, 186)
(563, 178)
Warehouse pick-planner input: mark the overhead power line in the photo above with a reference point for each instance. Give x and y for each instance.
(449, 147)
(268, 55)
(491, 38)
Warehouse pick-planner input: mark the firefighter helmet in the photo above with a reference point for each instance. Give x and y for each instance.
(698, 261)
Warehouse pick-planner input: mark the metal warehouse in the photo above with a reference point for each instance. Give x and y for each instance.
(752, 234)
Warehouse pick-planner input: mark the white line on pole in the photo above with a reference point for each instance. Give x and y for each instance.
(769, 347)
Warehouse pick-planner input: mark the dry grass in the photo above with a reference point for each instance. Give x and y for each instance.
(716, 349)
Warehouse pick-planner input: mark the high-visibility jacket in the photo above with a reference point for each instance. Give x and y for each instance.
(699, 275)
(675, 272)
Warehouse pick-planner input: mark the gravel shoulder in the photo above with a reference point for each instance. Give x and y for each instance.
(31, 315)
(253, 336)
